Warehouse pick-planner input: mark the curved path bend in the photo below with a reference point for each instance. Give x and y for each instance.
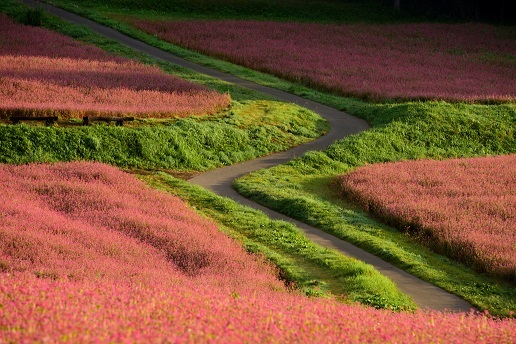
(426, 296)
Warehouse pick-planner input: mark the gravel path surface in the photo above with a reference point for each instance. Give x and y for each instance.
(426, 296)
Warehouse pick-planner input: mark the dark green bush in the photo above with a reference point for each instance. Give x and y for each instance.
(33, 17)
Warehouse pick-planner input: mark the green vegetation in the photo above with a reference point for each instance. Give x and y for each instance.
(33, 17)
(315, 270)
(185, 144)
(285, 10)
(303, 188)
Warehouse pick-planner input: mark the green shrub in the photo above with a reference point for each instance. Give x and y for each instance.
(33, 17)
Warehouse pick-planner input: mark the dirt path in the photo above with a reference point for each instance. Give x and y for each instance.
(427, 296)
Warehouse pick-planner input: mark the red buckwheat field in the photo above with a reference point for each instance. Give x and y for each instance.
(464, 208)
(115, 261)
(458, 62)
(148, 232)
(42, 72)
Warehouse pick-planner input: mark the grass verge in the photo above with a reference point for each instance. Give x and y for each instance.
(286, 10)
(315, 270)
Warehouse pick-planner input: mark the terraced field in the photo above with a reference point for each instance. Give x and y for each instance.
(91, 253)
(426, 61)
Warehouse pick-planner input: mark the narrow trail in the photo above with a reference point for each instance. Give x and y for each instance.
(426, 296)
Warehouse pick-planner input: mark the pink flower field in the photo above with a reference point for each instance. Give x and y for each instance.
(90, 254)
(42, 72)
(456, 62)
(464, 208)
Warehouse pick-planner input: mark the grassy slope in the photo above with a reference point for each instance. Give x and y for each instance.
(482, 291)
(187, 144)
(303, 187)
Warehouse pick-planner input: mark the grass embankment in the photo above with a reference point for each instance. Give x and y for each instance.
(253, 126)
(303, 188)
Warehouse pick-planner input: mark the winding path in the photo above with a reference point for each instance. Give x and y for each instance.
(426, 296)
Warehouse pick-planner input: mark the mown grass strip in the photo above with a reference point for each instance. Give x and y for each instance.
(315, 270)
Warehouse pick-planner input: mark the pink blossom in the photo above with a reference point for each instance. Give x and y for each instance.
(465, 208)
(60, 76)
(461, 62)
(91, 254)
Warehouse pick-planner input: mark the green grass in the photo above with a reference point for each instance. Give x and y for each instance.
(186, 144)
(303, 188)
(254, 125)
(285, 10)
(315, 270)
